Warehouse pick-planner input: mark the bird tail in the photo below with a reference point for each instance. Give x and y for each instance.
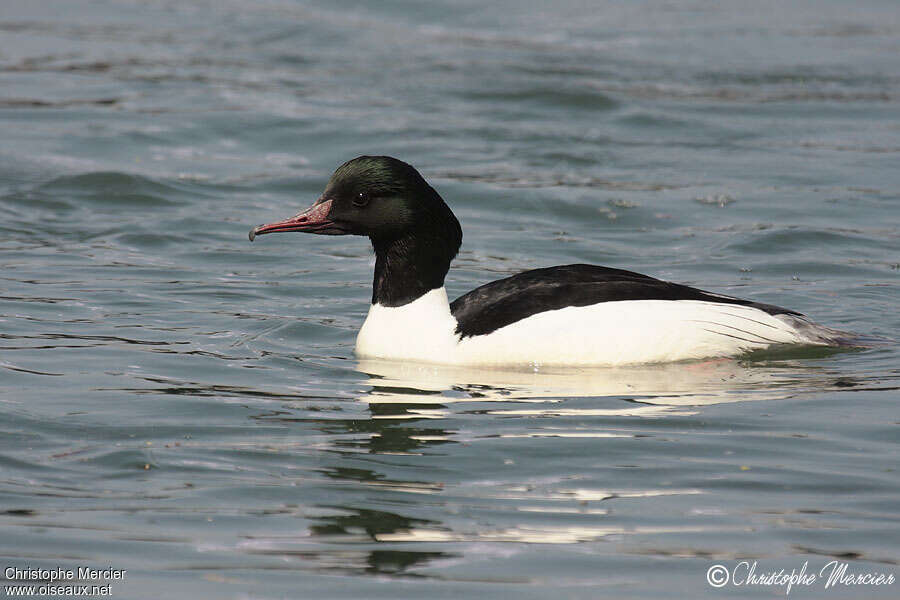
(819, 335)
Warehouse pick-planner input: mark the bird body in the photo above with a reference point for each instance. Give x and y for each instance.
(607, 333)
(574, 315)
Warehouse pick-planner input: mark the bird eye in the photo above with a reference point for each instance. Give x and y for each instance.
(361, 199)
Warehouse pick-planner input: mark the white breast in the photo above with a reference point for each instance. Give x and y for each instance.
(421, 330)
(609, 333)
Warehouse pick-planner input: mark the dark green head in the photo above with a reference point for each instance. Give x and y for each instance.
(375, 196)
(414, 233)
(381, 197)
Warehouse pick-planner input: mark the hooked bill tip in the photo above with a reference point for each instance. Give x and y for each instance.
(252, 234)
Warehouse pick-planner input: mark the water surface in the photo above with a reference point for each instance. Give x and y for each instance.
(184, 405)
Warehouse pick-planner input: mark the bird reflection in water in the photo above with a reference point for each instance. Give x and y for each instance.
(390, 516)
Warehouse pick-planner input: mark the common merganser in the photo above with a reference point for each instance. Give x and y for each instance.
(566, 315)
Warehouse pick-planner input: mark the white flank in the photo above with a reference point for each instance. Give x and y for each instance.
(608, 334)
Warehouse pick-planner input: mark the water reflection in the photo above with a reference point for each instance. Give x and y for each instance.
(349, 536)
(358, 526)
(649, 390)
(379, 480)
(426, 461)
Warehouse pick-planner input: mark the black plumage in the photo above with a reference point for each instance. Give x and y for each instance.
(505, 301)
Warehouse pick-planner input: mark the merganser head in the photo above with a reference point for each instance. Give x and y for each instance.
(414, 233)
(376, 196)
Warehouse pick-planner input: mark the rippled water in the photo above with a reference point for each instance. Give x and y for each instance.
(186, 406)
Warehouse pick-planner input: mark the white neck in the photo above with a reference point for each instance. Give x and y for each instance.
(423, 330)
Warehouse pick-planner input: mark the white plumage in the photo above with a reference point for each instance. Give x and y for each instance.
(607, 334)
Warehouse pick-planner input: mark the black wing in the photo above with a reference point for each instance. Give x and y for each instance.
(505, 301)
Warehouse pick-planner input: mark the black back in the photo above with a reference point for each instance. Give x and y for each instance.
(505, 301)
